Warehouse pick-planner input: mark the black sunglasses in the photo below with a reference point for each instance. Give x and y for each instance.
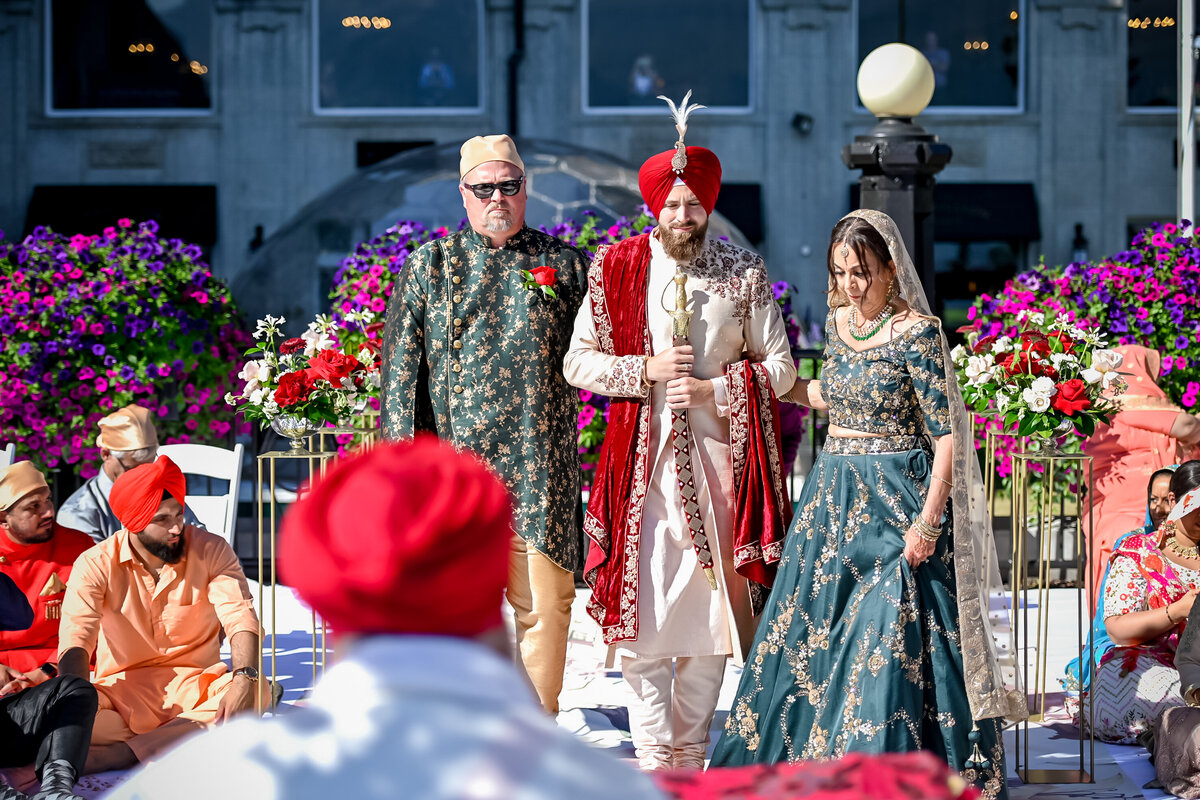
(485, 190)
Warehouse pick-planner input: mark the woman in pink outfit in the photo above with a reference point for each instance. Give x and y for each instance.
(1148, 433)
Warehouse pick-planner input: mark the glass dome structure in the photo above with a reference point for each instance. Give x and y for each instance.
(290, 275)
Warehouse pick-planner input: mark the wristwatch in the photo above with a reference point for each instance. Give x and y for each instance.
(249, 672)
(49, 670)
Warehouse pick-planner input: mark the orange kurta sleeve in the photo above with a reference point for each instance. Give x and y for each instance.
(228, 590)
(83, 603)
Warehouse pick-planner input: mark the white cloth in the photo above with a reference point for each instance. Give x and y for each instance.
(400, 716)
(735, 317)
(672, 713)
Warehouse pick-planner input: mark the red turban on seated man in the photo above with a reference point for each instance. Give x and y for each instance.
(408, 537)
(137, 493)
(702, 175)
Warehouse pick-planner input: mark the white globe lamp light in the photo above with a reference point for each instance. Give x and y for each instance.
(895, 80)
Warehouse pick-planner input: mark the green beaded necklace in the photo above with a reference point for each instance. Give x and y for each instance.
(862, 333)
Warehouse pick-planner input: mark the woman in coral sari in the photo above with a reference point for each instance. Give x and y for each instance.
(1147, 433)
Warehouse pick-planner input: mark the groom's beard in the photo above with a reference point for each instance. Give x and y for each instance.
(683, 246)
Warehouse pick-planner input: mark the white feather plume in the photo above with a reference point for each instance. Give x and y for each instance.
(681, 112)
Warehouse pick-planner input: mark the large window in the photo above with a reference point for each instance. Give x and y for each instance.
(1152, 34)
(974, 48)
(147, 56)
(389, 56)
(635, 51)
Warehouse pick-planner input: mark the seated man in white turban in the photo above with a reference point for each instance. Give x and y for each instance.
(127, 439)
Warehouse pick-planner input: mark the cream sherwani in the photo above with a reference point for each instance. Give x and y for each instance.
(735, 317)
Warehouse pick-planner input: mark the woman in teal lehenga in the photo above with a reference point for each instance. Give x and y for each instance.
(860, 647)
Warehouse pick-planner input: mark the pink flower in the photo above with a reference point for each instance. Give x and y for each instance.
(101, 385)
(1170, 228)
(110, 232)
(972, 312)
(125, 222)
(1188, 400)
(377, 305)
(191, 424)
(614, 231)
(96, 329)
(105, 403)
(200, 297)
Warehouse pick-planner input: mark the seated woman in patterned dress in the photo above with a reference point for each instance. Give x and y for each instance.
(875, 636)
(1152, 582)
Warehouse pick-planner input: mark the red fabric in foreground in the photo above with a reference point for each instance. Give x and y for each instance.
(858, 776)
(702, 175)
(137, 493)
(408, 537)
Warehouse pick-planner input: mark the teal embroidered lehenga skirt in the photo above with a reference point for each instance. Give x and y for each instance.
(856, 651)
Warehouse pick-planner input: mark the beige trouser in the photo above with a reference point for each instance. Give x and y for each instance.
(676, 700)
(541, 593)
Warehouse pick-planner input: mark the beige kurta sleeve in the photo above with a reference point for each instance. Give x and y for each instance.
(766, 336)
(587, 366)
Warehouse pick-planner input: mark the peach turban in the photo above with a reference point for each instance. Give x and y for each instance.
(702, 175)
(128, 428)
(408, 537)
(137, 493)
(18, 480)
(482, 149)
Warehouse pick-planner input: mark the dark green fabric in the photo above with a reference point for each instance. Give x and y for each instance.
(856, 651)
(514, 409)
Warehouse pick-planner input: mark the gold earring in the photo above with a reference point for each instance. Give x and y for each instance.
(892, 292)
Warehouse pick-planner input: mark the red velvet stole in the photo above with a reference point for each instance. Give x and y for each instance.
(762, 510)
(611, 522)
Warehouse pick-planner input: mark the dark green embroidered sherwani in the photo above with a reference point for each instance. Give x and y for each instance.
(471, 355)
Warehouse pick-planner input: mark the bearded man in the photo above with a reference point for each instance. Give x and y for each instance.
(476, 331)
(688, 510)
(150, 602)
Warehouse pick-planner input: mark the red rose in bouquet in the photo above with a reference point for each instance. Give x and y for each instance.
(1068, 344)
(984, 345)
(332, 366)
(1035, 344)
(1071, 397)
(294, 387)
(293, 345)
(543, 275)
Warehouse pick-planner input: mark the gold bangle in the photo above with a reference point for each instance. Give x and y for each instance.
(943, 480)
(926, 531)
(1167, 610)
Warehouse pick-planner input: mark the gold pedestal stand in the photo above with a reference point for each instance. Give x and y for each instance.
(311, 465)
(1043, 507)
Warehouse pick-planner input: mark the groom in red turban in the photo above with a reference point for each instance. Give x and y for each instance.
(151, 601)
(688, 510)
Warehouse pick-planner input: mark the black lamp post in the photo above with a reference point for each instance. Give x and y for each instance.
(899, 158)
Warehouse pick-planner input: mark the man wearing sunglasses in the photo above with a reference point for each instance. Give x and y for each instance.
(476, 332)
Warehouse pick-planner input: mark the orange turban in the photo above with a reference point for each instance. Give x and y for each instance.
(408, 537)
(702, 175)
(137, 493)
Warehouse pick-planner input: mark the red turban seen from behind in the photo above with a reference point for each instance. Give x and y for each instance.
(408, 537)
(138, 493)
(702, 175)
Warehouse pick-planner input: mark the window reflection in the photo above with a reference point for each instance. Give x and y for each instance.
(1152, 31)
(637, 51)
(130, 54)
(974, 48)
(394, 54)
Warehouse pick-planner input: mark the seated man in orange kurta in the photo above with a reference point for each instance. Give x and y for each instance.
(151, 601)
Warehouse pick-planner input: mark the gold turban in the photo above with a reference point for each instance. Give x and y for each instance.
(129, 428)
(482, 149)
(18, 480)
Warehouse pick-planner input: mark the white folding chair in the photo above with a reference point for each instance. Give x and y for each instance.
(218, 512)
(8, 455)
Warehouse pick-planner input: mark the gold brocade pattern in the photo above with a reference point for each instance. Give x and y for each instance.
(473, 356)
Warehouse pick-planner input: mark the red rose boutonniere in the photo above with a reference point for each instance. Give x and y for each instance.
(540, 278)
